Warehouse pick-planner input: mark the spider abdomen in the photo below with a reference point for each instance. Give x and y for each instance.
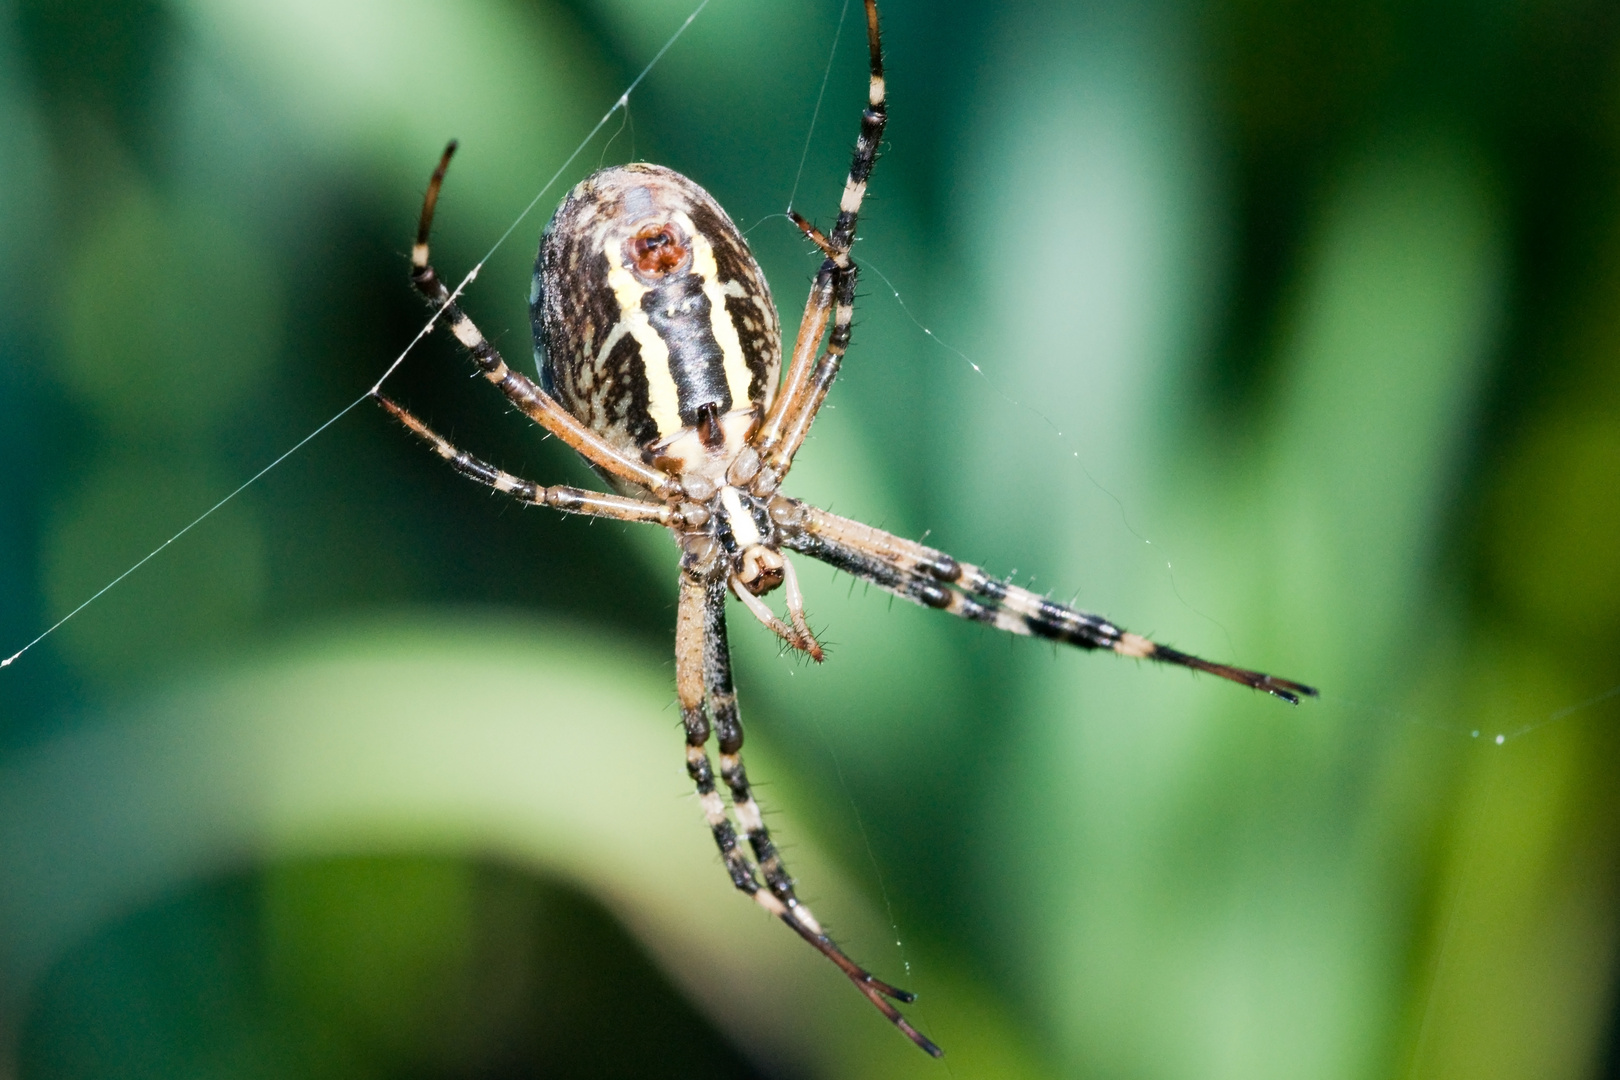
(652, 321)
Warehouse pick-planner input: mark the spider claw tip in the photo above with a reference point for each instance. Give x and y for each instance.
(904, 997)
(1290, 692)
(923, 1042)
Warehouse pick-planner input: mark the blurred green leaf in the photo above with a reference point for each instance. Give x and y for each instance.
(452, 739)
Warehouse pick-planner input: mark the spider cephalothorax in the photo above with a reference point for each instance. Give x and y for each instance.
(660, 363)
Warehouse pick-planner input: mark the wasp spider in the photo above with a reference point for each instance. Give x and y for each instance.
(660, 353)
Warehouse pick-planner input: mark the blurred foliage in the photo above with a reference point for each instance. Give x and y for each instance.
(1284, 331)
(364, 967)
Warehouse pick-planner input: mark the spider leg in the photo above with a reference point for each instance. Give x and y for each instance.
(934, 579)
(570, 500)
(704, 686)
(775, 462)
(805, 386)
(691, 632)
(519, 389)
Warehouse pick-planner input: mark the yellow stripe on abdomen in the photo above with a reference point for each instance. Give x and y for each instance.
(738, 377)
(663, 401)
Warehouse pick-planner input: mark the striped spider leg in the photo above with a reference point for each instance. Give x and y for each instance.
(806, 384)
(570, 500)
(519, 389)
(659, 353)
(705, 690)
(934, 579)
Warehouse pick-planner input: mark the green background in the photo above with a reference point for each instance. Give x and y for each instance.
(1286, 332)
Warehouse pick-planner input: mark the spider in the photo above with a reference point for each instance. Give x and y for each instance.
(659, 354)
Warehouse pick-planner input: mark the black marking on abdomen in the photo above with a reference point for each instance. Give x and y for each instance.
(680, 313)
(758, 346)
(624, 398)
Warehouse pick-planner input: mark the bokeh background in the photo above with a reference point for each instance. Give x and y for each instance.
(1287, 332)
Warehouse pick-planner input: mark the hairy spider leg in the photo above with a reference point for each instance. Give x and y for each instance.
(934, 579)
(805, 386)
(767, 441)
(821, 379)
(691, 691)
(709, 600)
(570, 500)
(519, 389)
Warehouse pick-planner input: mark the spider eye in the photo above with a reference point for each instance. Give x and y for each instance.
(656, 250)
